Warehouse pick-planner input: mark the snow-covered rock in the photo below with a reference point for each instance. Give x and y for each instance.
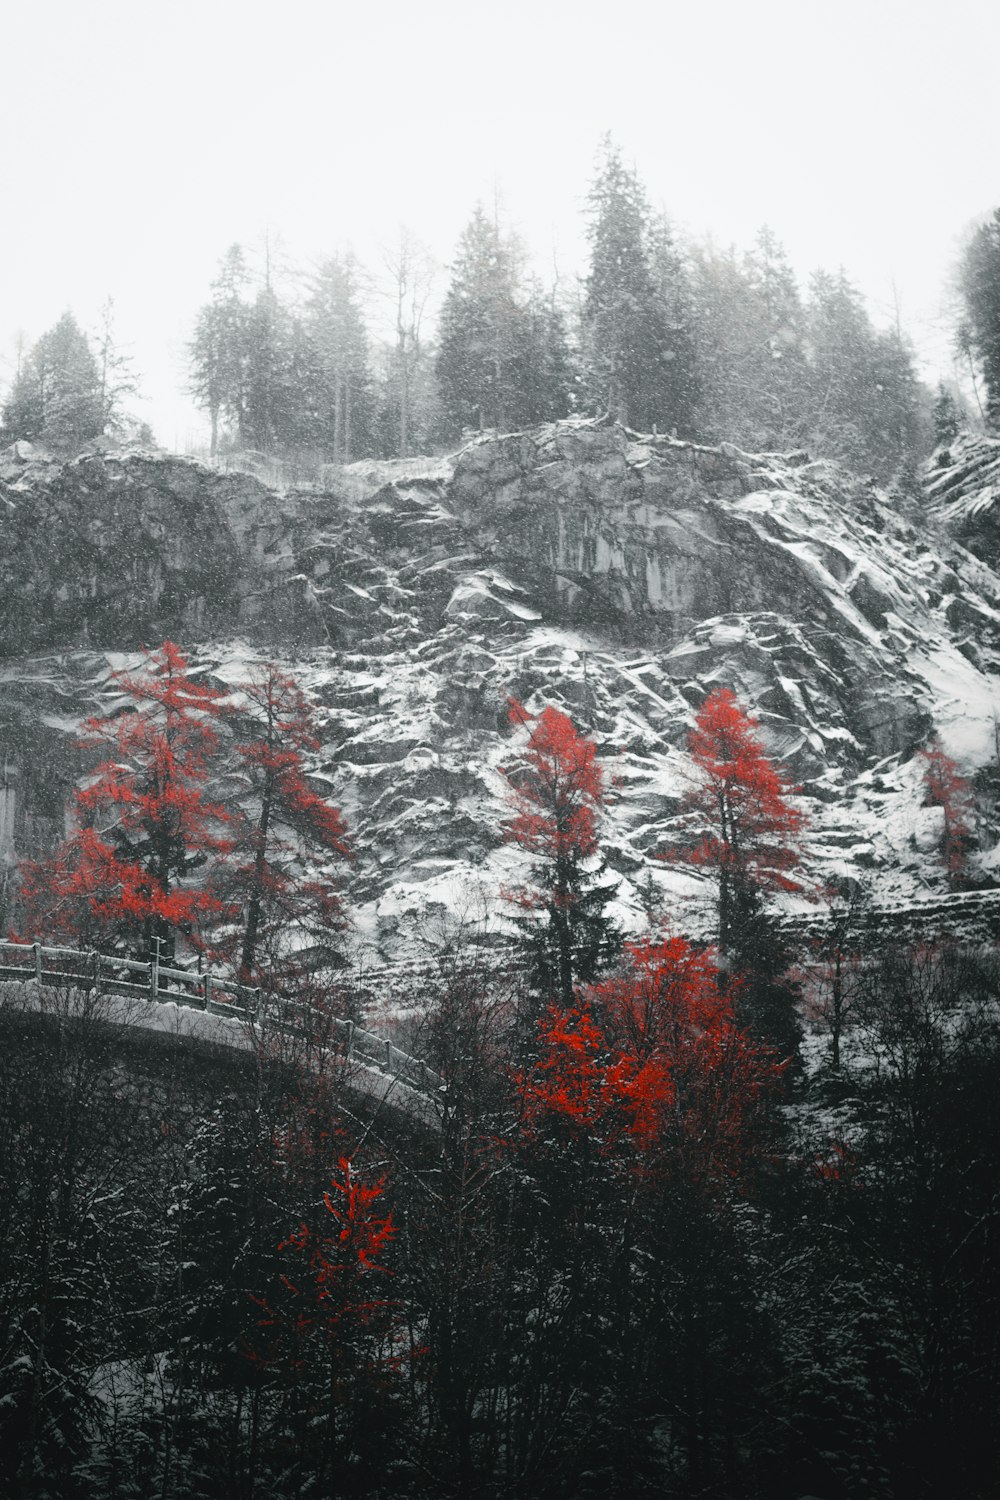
(616, 575)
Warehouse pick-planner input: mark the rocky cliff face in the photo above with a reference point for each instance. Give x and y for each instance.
(618, 576)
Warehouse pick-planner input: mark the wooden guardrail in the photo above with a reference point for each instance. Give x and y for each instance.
(161, 983)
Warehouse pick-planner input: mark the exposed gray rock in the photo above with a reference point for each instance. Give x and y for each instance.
(617, 575)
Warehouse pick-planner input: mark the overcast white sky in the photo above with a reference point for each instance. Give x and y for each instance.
(138, 140)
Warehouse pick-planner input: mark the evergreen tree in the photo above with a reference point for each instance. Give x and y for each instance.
(979, 283)
(218, 350)
(728, 344)
(543, 369)
(864, 394)
(270, 420)
(56, 397)
(342, 409)
(751, 346)
(481, 333)
(780, 374)
(640, 360)
(672, 282)
(946, 417)
(894, 422)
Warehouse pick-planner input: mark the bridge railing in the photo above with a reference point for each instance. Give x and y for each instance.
(217, 994)
(119, 974)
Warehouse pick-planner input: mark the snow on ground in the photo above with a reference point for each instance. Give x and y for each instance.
(965, 702)
(853, 632)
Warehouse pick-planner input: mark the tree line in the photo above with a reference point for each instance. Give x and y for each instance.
(691, 339)
(698, 342)
(642, 1251)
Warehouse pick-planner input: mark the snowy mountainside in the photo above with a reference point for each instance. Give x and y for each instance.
(962, 486)
(615, 575)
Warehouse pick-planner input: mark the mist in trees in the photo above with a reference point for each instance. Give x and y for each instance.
(70, 390)
(660, 332)
(503, 360)
(978, 333)
(639, 348)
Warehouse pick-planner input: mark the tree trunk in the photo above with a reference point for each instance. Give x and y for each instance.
(404, 404)
(336, 419)
(248, 957)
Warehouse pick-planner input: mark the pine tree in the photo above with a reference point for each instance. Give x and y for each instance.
(946, 417)
(480, 335)
(640, 359)
(56, 396)
(271, 420)
(979, 283)
(342, 397)
(543, 375)
(748, 320)
(674, 294)
(218, 350)
(728, 342)
(840, 348)
(864, 395)
(780, 373)
(894, 423)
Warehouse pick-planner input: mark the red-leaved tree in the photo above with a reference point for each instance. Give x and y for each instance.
(325, 1297)
(557, 791)
(145, 823)
(284, 823)
(746, 830)
(653, 1059)
(327, 1332)
(670, 1002)
(947, 788)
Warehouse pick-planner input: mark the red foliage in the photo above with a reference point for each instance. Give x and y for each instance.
(557, 793)
(84, 890)
(322, 1296)
(154, 778)
(947, 788)
(752, 829)
(668, 994)
(148, 789)
(746, 829)
(557, 789)
(664, 1071)
(584, 1091)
